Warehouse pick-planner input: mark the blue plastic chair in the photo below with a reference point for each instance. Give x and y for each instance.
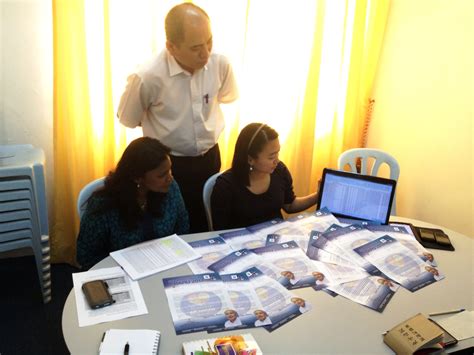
(206, 197)
(86, 192)
(351, 156)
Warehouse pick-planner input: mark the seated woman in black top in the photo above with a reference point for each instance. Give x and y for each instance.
(258, 185)
(140, 201)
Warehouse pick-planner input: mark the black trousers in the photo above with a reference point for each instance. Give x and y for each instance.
(191, 173)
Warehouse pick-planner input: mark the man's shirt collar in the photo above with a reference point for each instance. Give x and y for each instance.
(174, 67)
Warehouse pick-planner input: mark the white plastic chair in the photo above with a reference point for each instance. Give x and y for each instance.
(85, 193)
(349, 157)
(206, 197)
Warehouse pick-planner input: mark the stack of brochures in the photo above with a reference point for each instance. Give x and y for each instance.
(261, 265)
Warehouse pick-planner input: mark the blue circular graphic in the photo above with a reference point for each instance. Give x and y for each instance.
(297, 267)
(270, 296)
(409, 245)
(252, 244)
(241, 302)
(267, 271)
(401, 264)
(208, 259)
(357, 243)
(201, 304)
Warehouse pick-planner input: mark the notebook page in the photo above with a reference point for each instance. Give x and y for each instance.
(140, 341)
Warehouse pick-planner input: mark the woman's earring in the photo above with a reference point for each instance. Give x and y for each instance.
(251, 168)
(138, 185)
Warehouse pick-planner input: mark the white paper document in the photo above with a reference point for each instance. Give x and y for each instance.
(154, 256)
(461, 325)
(140, 341)
(125, 292)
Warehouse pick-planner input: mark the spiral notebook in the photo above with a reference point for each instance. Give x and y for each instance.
(140, 341)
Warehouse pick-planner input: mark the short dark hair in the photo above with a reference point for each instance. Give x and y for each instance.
(251, 141)
(120, 189)
(174, 21)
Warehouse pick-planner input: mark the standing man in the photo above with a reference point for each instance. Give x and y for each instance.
(176, 97)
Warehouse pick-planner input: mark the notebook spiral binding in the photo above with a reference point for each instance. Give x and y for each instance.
(156, 344)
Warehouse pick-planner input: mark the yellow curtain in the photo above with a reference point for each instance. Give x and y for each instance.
(305, 68)
(318, 116)
(343, 126)
(80, 155)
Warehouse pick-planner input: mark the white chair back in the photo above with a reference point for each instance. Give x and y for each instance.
(350, 157)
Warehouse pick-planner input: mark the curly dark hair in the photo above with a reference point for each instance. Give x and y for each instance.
(120, 189)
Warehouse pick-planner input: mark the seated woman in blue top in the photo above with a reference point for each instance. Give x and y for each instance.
(258, 185)
(140, 201)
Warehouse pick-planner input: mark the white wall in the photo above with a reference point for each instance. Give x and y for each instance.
(26, 76)
(424, 109)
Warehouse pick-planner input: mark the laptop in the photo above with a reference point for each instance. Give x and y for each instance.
(354, 198)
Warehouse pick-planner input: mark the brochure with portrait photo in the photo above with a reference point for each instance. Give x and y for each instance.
(350, 237)
(404, 235)
(300, 227)
(236, 261)
(327, 274)
(292, 267)
(253, 236)
(318, 254)
(399, 263)
(374, 292)
(244, 299)
(197, 302)
(211, 250)
(318, 240)
(279, 305)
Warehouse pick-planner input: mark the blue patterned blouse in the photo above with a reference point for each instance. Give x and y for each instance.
(100, 234)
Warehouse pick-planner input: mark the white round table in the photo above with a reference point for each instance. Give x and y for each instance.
(335, 325)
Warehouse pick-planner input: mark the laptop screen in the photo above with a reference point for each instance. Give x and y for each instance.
(361, 197)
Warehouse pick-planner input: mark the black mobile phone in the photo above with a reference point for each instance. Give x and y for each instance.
(97, 294)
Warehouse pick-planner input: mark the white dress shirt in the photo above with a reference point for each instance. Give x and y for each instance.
(236, 323)
(266, 321)
(178, 108)
(306, 308)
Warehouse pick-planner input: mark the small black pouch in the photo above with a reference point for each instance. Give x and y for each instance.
(431, 238)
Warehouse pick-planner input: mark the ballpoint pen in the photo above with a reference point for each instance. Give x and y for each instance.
(447, 312)
(126, 349)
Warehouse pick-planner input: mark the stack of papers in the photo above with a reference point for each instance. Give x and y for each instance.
(154, 256)
(125, 292)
